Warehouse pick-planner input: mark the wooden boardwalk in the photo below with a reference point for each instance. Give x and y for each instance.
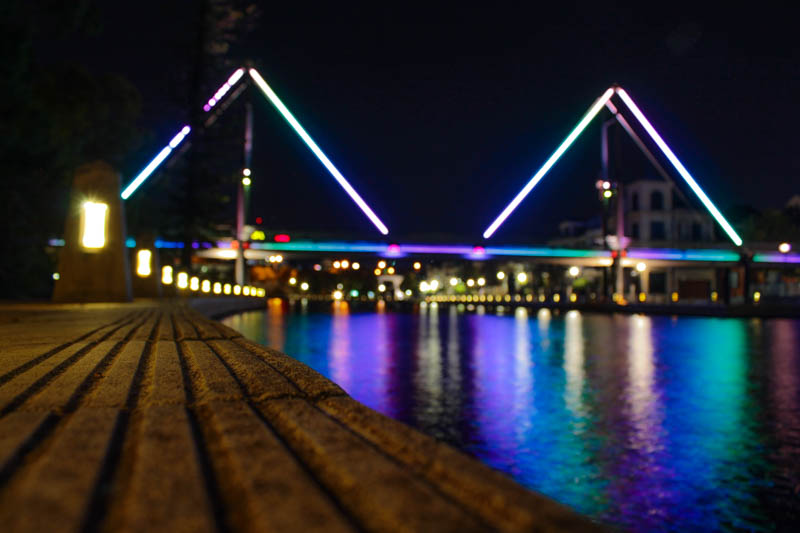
(151, 417)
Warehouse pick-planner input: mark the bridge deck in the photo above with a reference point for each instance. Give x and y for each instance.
(151, 417)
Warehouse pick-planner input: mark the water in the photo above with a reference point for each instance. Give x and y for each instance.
(649, 423)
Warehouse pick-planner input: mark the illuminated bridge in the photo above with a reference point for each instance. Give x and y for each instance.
(615, 99)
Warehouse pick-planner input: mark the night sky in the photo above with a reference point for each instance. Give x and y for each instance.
(439, 116)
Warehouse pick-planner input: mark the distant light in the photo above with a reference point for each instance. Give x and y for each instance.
(317, 267)
(217, 287)
(596, 107)
(246, 290)
(381, 264)
(166, 275)
(453, 282)
(246, 181)
(279, 258)
(470, 282)
(481, 282)
(501, 275)
(267, 90)
(370, 295)
(143, 263)
(714, 296)
(237, 290)
(756, 297)
(573, 297)
(784, 247)
(339, 286)
(153, 165)
(574, 271)
(556, 297)
(246, 172)
(679, 167)
(258, 235)
(408, 292)
(337, 264)
(522, 277)
(606, 185)
(424, 287)
(355, 266)
(541, 298)
(642, 297)
(259, 220)
(345, 263)
(417, 265)
(226, 289)
(607, 194)
(93, 224)
(56, 276)
(183, 280)
(261, 293)
(381, 287)
(292, 281)
(354, 293)
(390, 270)
(674, 297)
(282, 237)
(304, 286)
(641, 267)
(194, 283)
(337, 295)
(205, 286)
(377, 271)
(434, 285)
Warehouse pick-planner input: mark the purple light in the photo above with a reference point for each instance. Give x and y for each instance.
(223, 90)
(776, 258)
(679, 166)
(684, 255)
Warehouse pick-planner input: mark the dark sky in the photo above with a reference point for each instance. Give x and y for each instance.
(439, 116)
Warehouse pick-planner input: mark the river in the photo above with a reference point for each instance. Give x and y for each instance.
(649, 423)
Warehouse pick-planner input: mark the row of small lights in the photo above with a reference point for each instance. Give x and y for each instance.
(183, 281)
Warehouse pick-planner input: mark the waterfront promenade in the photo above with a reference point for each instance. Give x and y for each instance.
(153, 417)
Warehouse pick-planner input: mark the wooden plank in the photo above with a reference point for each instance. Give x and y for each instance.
(52, 493)
(211, 381)
(264, 486)
(380, 493)
(259, 379)
(167, 489)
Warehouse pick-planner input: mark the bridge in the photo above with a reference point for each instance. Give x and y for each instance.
(616, 253)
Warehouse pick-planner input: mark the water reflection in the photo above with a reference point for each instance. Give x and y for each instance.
(649, 423)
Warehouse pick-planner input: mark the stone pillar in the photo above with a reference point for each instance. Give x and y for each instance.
(93, 264)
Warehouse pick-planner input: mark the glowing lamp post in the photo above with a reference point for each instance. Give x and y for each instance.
(94, 263)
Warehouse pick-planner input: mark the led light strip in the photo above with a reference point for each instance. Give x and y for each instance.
(671, 254)
(596, 107)
(267, 90)
(153, 165)
(679, 167)
(164, 153)
(222, 91)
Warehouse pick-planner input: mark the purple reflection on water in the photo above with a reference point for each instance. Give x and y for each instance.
(647, 423)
